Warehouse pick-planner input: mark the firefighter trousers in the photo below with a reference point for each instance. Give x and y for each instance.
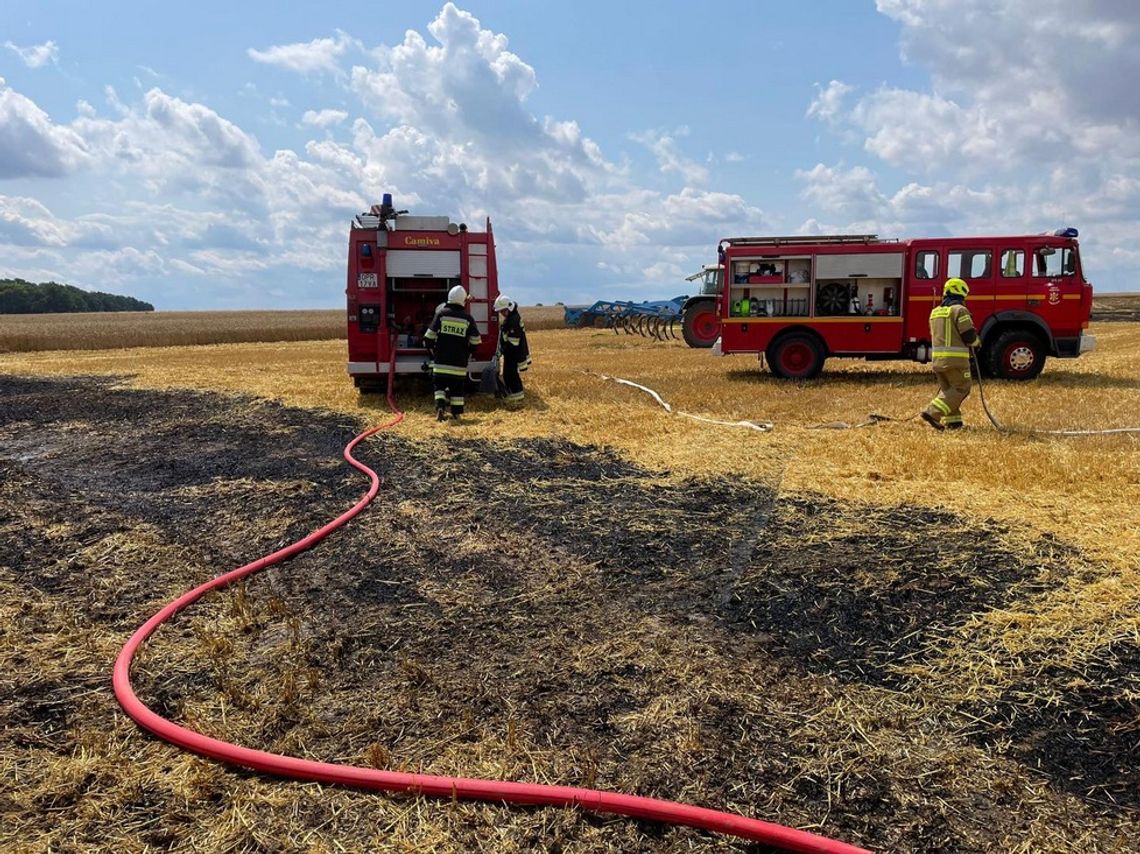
(449, 390)
(512, 380)
(953, 388)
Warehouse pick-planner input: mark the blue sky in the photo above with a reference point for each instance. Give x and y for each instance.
(159, 152)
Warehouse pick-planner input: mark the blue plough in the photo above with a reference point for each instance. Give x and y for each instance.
(652, 318)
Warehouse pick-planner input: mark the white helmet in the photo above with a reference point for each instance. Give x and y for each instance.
(457, 296)
(504, 303)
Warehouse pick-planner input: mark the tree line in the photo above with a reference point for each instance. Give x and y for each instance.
(20, 297)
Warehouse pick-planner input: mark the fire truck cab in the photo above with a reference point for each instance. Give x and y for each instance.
(400, 269)
(797, 301)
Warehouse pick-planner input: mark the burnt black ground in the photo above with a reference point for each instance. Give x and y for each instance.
(1087, 740)
(799, 590)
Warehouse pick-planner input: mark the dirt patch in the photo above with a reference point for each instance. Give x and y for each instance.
(531, 610)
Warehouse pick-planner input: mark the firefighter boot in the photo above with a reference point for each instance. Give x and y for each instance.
(933, 422)
(440, 413)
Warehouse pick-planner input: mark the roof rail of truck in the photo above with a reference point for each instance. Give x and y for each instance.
(366, 220)
(805, 238)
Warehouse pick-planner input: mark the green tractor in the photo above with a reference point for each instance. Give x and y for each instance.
(700, 322)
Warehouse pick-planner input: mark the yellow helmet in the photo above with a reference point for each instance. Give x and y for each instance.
(956, 287)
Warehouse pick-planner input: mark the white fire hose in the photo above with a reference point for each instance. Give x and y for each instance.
(1001, 428)
(761, 426)
(768, 426)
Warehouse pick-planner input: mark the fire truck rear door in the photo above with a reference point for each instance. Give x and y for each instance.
(408, 263)
(477, 286)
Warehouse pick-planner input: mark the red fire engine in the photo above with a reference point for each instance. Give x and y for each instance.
(400, 269)
(798, 300)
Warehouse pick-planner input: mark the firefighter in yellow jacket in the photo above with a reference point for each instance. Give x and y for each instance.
(952, 334)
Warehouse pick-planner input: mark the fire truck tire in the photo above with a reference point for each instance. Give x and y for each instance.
(700, 325)
(796, 356)
(1015, 354)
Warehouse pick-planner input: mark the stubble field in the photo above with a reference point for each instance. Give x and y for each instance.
(24, 333)
(906, 640)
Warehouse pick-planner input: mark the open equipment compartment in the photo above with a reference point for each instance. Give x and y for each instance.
(771, 286)
(417, 282)
(866, 283)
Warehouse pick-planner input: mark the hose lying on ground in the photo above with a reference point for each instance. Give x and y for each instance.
(873, 418)
(871, 421)
(1001, 428)
(761, 426)
(786, 838)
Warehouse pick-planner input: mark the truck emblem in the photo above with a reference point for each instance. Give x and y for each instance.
(1054, 296)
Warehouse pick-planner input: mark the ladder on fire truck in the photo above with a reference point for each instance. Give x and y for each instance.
(794, 239)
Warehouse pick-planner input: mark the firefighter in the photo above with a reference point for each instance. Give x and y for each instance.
(450, 341)
(512, 347)
(952, 335)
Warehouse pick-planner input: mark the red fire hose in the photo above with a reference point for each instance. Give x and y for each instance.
(651, 809)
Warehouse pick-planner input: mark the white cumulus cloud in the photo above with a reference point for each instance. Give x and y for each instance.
(458, 123)
(1032, 121)
(26, 222)
(31, 145)
(467, 83)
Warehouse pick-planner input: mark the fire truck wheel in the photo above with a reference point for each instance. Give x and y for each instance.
(1015, 354)
(700, 325)
(797, 356)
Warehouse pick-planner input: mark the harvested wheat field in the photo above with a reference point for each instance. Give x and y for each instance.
(1116, 307)
(102, 330)
(905, 640)
(25, 333)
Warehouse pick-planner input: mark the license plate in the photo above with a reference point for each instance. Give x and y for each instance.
(366, 280)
